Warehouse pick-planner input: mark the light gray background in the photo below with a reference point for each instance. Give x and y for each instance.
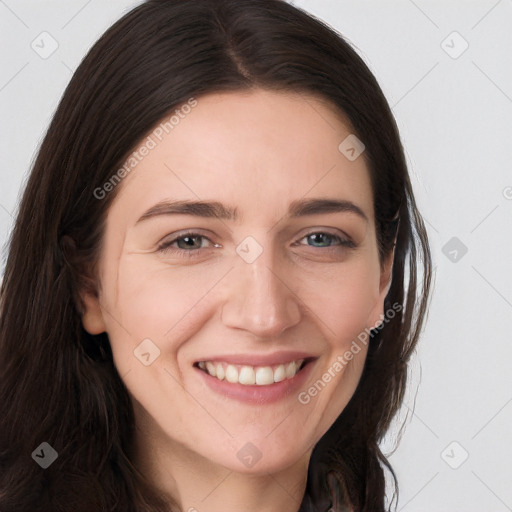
(455, 119)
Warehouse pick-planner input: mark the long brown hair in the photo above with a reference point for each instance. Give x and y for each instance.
(58, 383)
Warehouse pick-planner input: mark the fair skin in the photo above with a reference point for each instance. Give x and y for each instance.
(305, 296)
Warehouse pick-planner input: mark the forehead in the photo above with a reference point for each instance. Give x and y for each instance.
(249, 149)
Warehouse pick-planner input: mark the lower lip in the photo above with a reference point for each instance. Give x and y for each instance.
(258, 394)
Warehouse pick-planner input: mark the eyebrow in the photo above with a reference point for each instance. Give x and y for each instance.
(215, 209)
(303, 207)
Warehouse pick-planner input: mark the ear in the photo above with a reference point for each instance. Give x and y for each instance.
(85, 293)
(386, 273)
(92, 316)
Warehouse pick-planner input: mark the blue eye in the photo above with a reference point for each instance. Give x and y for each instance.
(326, 240)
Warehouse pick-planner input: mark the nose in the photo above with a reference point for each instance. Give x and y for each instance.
(260, 299)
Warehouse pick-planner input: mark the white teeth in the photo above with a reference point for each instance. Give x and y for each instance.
(279, 373)
(264, 376)
(231, 374)
(210, 368)
(291, 369)
(249, 375)
(220, 371)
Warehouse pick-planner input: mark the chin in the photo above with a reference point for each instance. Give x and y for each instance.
(260, 457)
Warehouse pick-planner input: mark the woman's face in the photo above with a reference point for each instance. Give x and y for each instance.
(242, 244)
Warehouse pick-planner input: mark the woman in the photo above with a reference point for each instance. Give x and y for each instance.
(211, 293)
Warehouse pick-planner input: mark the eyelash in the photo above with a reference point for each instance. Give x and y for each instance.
(192, 253)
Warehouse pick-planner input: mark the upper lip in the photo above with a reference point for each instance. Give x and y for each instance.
(259, 359)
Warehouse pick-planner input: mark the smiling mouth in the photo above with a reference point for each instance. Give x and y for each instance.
(252, 375)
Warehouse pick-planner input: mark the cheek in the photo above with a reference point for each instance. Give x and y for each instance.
(155, 302)
(342, 299)
(167, 307)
